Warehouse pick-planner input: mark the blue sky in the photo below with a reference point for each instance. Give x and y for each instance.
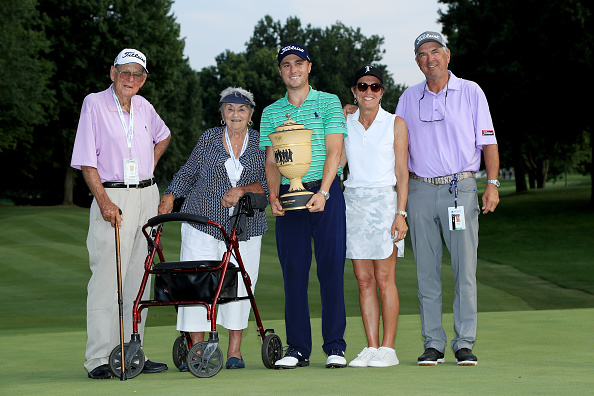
(211, 27)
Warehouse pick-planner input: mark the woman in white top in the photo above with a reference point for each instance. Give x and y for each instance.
(377, 153)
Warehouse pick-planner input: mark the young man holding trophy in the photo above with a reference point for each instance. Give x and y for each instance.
(321, 218)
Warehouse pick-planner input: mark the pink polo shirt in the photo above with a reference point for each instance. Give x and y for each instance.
(454, 144)
(101, 140)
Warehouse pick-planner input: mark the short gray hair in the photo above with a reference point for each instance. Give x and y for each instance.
(445, 51)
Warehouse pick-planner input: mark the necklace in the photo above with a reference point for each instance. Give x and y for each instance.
(365, 125)
(231, 150)
(233, 144)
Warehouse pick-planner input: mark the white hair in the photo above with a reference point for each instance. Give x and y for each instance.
(238, 91)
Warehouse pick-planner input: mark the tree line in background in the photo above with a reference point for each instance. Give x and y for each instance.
(336, 52)
(532, 60)
(59, 51)
(55, 52)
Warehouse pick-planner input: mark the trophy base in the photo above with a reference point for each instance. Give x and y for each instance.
(295, 200)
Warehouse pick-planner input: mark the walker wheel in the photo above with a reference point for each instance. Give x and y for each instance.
(132, 369)
(272, 350)
(180, 350)
(213, 364)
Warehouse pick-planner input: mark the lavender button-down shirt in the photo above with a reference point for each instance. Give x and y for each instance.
(454, 144)
(101, 140)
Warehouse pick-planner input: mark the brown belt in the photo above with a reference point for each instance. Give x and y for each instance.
(442, 179)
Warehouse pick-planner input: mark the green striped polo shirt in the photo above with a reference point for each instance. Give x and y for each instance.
(320, 112)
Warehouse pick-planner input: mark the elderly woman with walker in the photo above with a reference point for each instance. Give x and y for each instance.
(225, 164)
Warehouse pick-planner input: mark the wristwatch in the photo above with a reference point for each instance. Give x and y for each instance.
(495, 182)
(326, 194)
(401, 213)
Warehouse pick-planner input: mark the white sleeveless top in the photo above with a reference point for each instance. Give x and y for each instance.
(370, 153)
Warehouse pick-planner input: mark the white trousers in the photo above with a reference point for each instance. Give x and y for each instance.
(197, 245)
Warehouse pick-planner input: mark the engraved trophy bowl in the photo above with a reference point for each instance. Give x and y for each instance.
(291, 144)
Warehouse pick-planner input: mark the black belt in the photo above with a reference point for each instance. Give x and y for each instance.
(312, 184)
(142, 184)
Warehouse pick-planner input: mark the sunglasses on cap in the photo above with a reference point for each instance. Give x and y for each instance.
(375, 87)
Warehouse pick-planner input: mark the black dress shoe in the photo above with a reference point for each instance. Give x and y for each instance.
(101, 372)
(153, 367)
(430, 357)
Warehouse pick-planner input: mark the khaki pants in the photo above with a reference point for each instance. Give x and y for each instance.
(103, 329)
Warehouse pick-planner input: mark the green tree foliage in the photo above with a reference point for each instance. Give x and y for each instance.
(526, 58)
(575, 158)
(25, 98)
(78, 40)
(172, 86)
(85, 37)
(336, 52)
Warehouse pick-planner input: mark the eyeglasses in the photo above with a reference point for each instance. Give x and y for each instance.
(138, 77)
(375, 87)
(429, 106)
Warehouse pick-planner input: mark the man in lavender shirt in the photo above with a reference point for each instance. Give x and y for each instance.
(449, 125)
(119, 140)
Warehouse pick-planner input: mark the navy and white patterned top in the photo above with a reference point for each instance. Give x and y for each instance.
(203, 180)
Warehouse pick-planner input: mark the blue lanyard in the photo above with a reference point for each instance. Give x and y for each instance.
(454, 185)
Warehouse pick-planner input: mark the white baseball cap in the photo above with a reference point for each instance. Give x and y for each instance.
(129, 55)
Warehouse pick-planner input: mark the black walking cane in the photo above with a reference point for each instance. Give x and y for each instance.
(120, 300)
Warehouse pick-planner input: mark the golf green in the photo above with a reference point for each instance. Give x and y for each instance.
(535, 352)
(535, 298)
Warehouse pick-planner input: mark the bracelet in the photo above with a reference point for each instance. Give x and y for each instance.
(270, 199)
(401, 213)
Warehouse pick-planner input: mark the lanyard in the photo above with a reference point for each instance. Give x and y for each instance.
(454, 185)
(128, 131)
(236, 162)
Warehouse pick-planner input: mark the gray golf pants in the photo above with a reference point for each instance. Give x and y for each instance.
(428, 220)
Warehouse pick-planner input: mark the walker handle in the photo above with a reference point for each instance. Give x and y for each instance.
(192, 218)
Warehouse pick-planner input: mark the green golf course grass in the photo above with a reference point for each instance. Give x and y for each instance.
(520, 353)
(536, 310)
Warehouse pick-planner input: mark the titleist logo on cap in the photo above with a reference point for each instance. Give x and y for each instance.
(133, 55)
(428, 36)
(291, 47)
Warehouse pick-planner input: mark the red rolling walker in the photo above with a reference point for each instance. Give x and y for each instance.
(207, 283)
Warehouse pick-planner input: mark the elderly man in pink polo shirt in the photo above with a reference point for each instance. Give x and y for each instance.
(449, 125)
(119, 141)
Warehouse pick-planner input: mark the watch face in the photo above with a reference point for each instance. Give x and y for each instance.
(325, 194)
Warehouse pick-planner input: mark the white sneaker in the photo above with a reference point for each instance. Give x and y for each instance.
(363, 358)
(384, 357)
